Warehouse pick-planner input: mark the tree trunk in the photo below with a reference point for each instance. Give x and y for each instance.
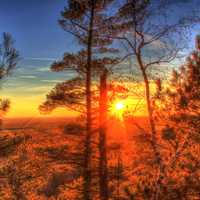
(103, 173)
(87, 150)
(119, 173)
(152, 127)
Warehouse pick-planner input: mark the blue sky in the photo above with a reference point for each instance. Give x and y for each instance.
(39, 39)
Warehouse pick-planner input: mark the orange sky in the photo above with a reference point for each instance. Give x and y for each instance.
(27, 105)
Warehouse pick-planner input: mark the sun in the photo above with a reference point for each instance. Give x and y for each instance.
(119, 105)
(118, 109)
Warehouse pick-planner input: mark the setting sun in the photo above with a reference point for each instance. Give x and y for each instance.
(118, 108)
(119, 105)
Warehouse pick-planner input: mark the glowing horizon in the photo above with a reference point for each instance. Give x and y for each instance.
(27, 105)
(22, 107)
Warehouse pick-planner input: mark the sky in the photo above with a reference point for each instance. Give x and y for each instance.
(40, 41)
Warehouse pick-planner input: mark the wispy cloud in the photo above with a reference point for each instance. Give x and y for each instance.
(43, 69)
(23, 90)
(39, 58)
(51, 81)
(28, 77)
(41, 88)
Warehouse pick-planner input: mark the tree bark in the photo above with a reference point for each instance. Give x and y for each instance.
(152, 127)
(87, 150)
(103, 173)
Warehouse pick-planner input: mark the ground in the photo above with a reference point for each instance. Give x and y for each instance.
(35, 153)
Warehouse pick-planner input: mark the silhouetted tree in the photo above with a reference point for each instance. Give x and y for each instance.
(9, 57)
(103, 107)
(154, 39)
(68, 94)
(177, 108)
(85, 21)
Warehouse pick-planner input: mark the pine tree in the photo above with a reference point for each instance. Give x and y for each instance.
(9, 57)
(86, 21)
(103, 107)
(177, 108)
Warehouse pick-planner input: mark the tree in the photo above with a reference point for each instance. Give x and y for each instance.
(103, 107)
(9, 57)
(68, 94)
(154, 40)
(85, 21)
(177, 107)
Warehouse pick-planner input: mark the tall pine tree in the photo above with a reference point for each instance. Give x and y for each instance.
(87, 21)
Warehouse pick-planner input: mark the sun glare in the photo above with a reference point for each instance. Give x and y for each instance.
(119, 105)
(118, 109)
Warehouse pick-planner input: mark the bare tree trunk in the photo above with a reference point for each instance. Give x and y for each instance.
(152, 127)
(87, 151)
(119, 173)
(103, 173)
(1, 123)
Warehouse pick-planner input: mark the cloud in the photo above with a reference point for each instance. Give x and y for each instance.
(39, 58)
(43, 69)
(25, 90)
(40, 89)
(28, 77)
(50, 81)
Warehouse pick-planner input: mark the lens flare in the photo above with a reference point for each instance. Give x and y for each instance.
(119, 106)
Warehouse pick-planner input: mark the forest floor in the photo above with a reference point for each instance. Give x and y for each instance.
(34, 153)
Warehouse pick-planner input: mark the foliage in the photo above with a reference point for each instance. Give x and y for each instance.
(4, 106)
(8, 56)
(152, 39)
(68, 94)
(177, 108)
